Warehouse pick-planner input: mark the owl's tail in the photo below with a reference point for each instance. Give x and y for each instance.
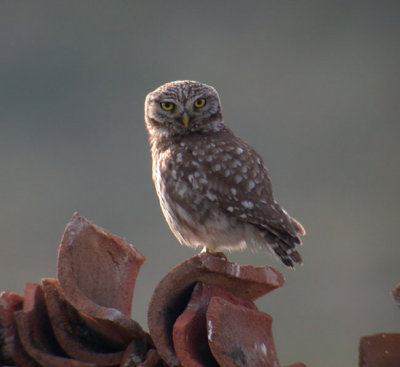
(287, 253)
(284, 246)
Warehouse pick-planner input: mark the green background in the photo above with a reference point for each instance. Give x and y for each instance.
(312, 85)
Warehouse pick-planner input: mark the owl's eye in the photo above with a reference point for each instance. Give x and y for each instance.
(167, 106)
(199, 103)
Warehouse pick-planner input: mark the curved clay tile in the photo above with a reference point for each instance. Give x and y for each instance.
(11, 350)
(190, 329)
(73, 334)
(239, 336)
(97, 272)
(35, 332)
(380, 350)
(396, 294)
(174, 291)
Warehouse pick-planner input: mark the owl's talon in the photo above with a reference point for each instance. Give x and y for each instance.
(220, 255)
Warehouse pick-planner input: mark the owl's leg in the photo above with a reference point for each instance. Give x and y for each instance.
(221, 255)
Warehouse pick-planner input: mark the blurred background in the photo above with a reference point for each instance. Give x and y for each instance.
(313, 86)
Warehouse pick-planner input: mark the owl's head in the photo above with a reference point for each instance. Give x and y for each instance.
(183, 107)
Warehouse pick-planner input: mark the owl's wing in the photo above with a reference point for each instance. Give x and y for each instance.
(241, 184)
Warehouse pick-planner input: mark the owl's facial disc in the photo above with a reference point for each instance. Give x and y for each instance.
(183, 107)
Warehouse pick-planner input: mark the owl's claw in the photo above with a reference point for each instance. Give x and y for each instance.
(220, 255)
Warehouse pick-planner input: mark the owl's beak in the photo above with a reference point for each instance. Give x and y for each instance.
(185, 119)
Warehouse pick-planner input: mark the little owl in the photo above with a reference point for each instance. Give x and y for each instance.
(213, 188)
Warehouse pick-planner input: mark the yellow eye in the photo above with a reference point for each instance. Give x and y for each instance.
(167, 106)
(199, 103)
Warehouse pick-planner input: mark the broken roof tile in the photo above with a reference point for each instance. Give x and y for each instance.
(36, 334)
(97, 272)
(73, 334)
(239, 336)
(173, 292)
(380, 350)
(11, 350)
(190, 329)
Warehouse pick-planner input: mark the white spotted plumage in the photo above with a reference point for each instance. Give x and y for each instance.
(213, 188)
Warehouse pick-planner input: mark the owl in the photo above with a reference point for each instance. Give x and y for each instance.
(214, 189)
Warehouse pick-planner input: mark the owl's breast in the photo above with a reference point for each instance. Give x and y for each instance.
(175, 178)
(188, 205)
